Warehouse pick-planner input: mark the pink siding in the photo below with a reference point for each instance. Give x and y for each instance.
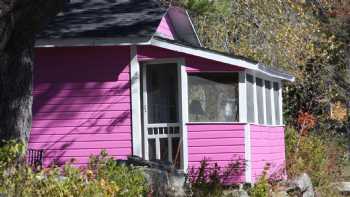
(166, 28)
(81, 103)
(193, 63)
(217, 143)
(267, 148)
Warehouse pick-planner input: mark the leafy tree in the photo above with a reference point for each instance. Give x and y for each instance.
(20, 20)
(309, 39)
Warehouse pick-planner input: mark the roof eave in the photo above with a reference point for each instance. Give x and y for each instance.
(220, 58)
(76, 42)
(162, 43)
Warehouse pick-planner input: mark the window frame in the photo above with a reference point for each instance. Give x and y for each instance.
(280, 99)
(242, 100)
(238, 73)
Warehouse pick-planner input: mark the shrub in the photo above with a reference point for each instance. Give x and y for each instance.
(321, 157)
(102, 177)
(211, 180)
(261, 187)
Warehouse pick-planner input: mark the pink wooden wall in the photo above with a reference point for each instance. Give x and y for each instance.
(193, 63)
(217, 143)
(166, 28)
(81, 103)
(267, 148)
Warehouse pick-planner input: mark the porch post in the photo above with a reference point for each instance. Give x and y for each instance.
(248, 154)
(242, 94)
(135, 103)
(243, 118)
(184, 112)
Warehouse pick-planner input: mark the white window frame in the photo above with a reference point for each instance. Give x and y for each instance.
(280, 99)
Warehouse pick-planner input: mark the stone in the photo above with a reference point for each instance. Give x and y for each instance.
(303, 184)
(238, 192)
(280, 194)
(163, 178)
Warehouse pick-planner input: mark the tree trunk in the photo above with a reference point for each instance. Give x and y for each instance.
(20, 21)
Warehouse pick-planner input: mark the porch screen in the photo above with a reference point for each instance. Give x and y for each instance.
(213, 97)
(250, 99)
(276, 96)
(260, 101)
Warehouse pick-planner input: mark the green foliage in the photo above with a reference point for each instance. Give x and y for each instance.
(279, 33)
(198, 6)
(10, 152)
(307, 38)
(261, 187)
(319, 156)
(102, 177)
(211, 180)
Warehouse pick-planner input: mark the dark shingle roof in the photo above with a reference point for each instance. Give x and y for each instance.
(105, 18)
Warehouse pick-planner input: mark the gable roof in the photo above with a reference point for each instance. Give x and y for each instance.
(135, 22)
(106, 19)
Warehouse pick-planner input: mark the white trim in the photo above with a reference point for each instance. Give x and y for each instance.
(217, 57)
(256, 113)
(76, 42)
(229, 123)
(184, 114)
(280, 102)
(248, 154)
(135, 103)
(158, 148)
(242, 94)
(144, 113)
(194, 29)
(264, 101)
(272, 92)
(182, 110)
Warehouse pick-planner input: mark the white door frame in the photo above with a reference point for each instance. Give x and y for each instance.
(183, 110)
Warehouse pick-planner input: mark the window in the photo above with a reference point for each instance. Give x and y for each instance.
(263, 100)
(260, 100)
(213, 97)
(268, 102)
(250, 98)
(276, 92)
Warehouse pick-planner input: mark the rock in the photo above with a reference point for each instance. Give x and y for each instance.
(303, 184)
(239, 192)
(157, 180)
(162, 177)
(280, 194)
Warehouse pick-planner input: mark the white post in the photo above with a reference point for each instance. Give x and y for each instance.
(248, 154)
(281, 103)
(264, 101)
(256, 116)
(184, 112)
(242, 97)
(273, 104)
(135, 103)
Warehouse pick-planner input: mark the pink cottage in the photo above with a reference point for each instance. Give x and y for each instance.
(131, 77)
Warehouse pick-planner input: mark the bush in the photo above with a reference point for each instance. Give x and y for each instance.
(212, 180)
(321, 157)
(102, 177)
(261, 187)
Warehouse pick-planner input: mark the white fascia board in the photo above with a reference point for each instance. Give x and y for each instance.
(194, 29)
(76, 42)
(203, 54)
(217, 57)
